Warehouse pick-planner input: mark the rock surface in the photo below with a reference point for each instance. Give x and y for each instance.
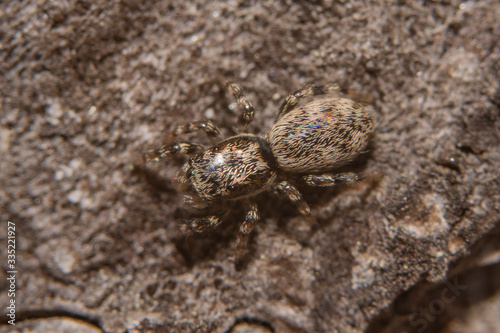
(87, 87)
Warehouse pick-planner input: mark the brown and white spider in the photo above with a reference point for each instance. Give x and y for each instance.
(305, 143)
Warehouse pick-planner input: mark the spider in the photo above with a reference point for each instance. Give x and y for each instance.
(306, 143)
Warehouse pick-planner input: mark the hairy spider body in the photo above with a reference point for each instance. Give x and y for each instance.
(321, 135)
(303, 144)
(235, 168)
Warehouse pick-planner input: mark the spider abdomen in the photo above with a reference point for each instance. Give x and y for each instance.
(320, 135)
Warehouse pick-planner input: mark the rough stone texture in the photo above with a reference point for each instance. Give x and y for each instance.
(87, 87)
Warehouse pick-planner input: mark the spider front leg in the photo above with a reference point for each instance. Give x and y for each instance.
(294, 196)
(176, 148)
(246, 228)
(205, 125)
(293, 99)
(170, 149)
(248, 110)
(201, 224)
(330, 179)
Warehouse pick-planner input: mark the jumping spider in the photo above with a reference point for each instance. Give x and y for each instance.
(304, 143)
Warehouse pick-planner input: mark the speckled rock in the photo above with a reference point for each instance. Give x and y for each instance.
(87, 87)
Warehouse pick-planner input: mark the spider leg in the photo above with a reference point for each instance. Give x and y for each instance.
(246, 228)
(248, 110)
(330, 179)
(293, 99)
(294, 196)
(171, 149)
(174, 148)
(207, 126)
(201, 224)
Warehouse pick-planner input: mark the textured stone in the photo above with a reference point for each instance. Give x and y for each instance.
(87, 87)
